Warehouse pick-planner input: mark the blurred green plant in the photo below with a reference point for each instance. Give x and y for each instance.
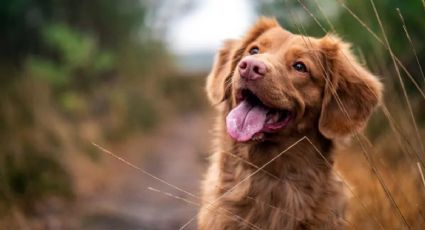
(30, 177)
(65, 64)
(316, 18)
(74, 50)
(394, 144)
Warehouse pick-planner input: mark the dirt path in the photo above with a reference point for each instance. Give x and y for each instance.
(175, 153)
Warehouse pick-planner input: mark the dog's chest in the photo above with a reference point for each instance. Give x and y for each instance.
(290, 202)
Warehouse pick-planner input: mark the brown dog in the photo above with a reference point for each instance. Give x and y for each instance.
(272, 89)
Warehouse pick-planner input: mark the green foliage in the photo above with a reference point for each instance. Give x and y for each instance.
(73, 52)
(74, 48)
(30, 168)
(141, 113)
(316, 18)
(331, 16)
(48, 71)
(30, 176)
(63, 64)
(180, 90)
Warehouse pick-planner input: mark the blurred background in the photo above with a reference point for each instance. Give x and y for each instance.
(128, 75)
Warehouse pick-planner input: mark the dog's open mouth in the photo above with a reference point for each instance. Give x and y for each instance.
(251, 117)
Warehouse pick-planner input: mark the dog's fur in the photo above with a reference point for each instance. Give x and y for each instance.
(298, 190)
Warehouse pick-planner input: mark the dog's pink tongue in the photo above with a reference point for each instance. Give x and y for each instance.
(245, 120)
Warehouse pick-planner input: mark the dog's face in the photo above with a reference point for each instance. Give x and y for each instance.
(276, 83)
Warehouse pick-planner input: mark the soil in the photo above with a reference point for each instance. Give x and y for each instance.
(121, 197)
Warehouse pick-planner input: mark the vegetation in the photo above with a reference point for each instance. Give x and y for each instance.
(383, 165)
(63, 65)
(73, 72)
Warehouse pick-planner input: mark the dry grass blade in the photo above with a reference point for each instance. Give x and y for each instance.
(251, 164)
(312, 15)
(344, 110)
(345, 183)
(324, 15)
(161, 180)
(365, 153)
(142, 170)
(383, 44)
(243, 180)
(400, 138)
(168, 194)
(412, 116)
(381, 181)
(420, 172)
(277, 178)
(388, 115)
(411, 42)
(403, 87)
(173, 196)
(236, 217)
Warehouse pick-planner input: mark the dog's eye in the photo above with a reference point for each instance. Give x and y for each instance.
(300, 67)
(254, 50)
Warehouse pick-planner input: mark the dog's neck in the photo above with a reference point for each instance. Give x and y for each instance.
(286, 156)
(293, 174)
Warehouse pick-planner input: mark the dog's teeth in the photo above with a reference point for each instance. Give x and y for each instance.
(273, 117)
(258, 137)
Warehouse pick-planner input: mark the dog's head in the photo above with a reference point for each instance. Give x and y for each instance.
(275, 83)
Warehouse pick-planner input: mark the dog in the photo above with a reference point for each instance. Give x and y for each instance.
(284, 102)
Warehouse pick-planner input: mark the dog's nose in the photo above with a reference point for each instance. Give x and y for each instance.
(252, 69)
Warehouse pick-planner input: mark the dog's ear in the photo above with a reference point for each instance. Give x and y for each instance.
(351, 91)
(220, 73)
(218, 81)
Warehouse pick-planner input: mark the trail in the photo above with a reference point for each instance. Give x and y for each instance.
(176, 153)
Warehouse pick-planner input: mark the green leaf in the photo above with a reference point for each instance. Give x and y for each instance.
(48, 71)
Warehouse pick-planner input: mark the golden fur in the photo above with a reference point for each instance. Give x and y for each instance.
(298, 190)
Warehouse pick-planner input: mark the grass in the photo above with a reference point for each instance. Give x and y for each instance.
(384, 168)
